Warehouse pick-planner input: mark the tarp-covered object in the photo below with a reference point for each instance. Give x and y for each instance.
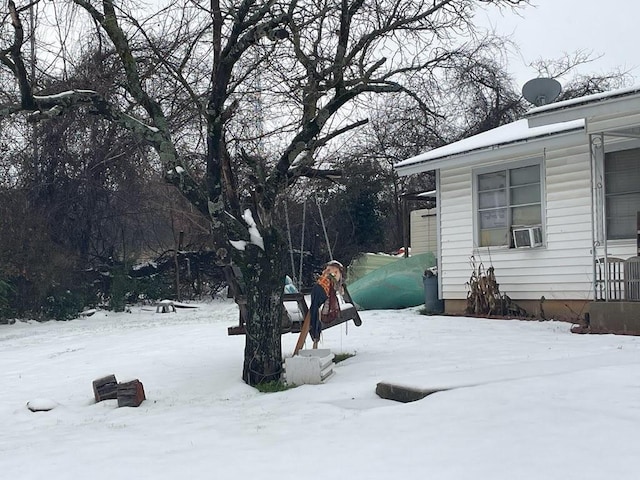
(366, 263)
(396, 285)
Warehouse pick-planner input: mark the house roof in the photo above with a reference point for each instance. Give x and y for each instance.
(587, 99)
(548, 120)
(511, 133)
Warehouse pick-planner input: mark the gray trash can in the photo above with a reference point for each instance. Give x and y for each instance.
(432, 303)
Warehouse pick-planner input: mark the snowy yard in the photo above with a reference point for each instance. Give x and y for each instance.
(533, 401)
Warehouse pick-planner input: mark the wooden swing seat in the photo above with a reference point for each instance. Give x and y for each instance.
(236, 285)
(346, 312)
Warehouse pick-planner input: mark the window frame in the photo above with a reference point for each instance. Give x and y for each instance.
(506, 167)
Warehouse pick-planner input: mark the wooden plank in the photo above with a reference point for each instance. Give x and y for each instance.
(353, 314)
(236, 330)
(304, 331)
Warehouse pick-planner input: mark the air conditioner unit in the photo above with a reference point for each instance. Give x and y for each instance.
(527, 237)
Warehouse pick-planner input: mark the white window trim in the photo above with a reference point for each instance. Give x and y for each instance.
(527, 162)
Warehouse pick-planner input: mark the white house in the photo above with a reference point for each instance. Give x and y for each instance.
(551, 202)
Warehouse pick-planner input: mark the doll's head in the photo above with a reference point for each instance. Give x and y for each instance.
(334, 268)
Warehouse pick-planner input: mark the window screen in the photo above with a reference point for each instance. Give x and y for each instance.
(507, 198)
(622, 192)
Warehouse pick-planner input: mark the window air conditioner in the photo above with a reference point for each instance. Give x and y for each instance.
(527, 237)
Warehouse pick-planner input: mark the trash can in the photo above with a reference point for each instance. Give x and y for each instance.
(432, 303)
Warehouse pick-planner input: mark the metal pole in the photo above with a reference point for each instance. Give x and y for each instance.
(604, 225)
(594, 203)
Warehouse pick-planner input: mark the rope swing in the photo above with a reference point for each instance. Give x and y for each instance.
(293, 267)
(298, 281)
(324, 228)
(304, 215)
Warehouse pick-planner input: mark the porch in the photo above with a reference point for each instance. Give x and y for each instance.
(616, 308)
(620, 317)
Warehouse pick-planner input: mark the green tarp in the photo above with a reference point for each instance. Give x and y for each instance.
(396, 285)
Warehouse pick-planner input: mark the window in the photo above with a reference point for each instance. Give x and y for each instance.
(507, 198)
(622, 192)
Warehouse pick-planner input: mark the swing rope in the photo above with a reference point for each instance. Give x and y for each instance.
(293, 267)
(324, 229)
(304, 214)
(326, 239)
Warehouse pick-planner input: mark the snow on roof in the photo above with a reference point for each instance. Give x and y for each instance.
(503, 135)
(596, 97)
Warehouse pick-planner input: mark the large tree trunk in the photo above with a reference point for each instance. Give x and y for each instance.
(263, 274)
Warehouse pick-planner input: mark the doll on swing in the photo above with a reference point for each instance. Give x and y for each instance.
(324, 300)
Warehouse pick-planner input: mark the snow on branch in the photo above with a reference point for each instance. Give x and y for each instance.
(62, 96)
(254, 234)
(53, 105)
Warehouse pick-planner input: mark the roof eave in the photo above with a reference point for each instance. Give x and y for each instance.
(520, 147)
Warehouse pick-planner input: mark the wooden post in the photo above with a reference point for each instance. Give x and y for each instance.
(130, 394)
(304, 331)
(105, 388)
(405, 227)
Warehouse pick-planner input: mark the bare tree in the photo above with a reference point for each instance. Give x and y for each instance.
(578, 85)
(319, 63)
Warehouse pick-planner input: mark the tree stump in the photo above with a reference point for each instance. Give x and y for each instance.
(130, 394)
(105, 388)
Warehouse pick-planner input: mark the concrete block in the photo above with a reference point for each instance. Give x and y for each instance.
(402, 393)
(309, 367)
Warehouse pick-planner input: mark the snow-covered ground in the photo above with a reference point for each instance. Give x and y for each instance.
(533, 401)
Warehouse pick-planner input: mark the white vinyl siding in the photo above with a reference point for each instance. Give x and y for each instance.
(562, 270)
(456, 231)
(423, 227)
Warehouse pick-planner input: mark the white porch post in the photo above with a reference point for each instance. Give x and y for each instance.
(598, 210)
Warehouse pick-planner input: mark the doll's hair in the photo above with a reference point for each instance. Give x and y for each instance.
(337, 264)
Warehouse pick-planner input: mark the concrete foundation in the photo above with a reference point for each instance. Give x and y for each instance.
(614, 317)
(595, 317)
(562, 310)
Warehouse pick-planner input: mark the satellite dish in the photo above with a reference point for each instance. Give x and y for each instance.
(541, 91)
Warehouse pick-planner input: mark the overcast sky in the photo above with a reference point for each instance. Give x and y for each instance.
(549, 28)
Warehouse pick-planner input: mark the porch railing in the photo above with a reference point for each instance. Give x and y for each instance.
(617, 279)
